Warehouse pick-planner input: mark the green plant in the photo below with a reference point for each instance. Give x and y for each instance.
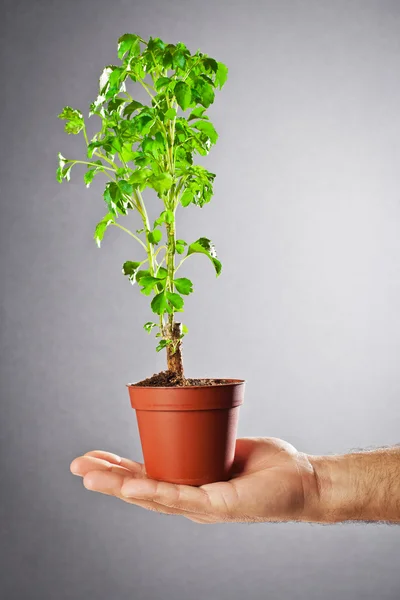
(141, 146)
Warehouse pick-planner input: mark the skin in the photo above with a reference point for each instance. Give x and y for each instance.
(271, 481)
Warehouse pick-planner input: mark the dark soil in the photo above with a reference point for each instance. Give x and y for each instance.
(170, 379)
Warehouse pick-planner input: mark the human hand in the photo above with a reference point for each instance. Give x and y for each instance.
(271, 481)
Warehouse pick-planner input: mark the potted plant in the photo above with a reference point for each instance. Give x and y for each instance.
(187, 426)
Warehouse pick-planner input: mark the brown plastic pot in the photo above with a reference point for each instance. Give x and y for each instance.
(188, 434)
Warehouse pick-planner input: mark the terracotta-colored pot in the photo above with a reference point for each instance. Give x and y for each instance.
(188, 434)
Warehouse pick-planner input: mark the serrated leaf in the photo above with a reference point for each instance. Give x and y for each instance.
(101, 228)
(162, 344)
(178, 60)
(198, 113)
(155, 44)
(186, 198)
(148, 283)
(183, 285)
(205, 246)
(128, 43)
(161, 183)
(125, 187)
(162, 273)
(140, 175)
(180, 246)
(210, 64)
(170, 114)
(162, 82)
(175, 300)
(74, 120)
(130, 269)
(167, 216)
(131, 107)
(203, 92)
(183, 94)
(154, 236)
(88, 176)
(149, 326)
(59, 176)
(208, 128)
(159, 304)
(221, 75)
(104, 78)
(66, 172)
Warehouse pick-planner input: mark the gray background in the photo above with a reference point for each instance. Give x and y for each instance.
(306, 219)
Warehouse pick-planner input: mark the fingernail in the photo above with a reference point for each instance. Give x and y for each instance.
(74, 469)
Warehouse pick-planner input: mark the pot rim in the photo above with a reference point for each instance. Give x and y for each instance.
(228, 382)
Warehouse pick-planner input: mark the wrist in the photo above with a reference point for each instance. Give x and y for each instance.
(362, 486)
(336, 499)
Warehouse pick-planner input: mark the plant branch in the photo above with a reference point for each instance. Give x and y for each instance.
(130, 233)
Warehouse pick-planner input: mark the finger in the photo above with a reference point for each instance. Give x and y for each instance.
(182, 497)
(84, 464)
(110, 483)
(200, 520)
(117, 460)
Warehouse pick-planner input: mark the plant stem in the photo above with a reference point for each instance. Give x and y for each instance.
(130, 233)
(146, 223)
(85, 162)
(170, 263)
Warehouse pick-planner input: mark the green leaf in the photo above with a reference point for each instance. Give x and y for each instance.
(130, 269)
(155, 44)
(62, 161)
(167, 216)
(198, 113)
(90, 173)
(88, 176)
(162, 82)
(125, 187)
(180, 246)
(154, 236)
(178, 60)
(116, 203)
(162, 273)
(210, 64)
(104, 78)
(139, 175)
(66, 172)
(148, 283)
(128, 43)
(183, 94)
(101, 228)
(161, 183)
(159, 304)
(186, 198)
(163, 344)
(131, 107)
(203, 92)
(221, 76)
(205, 246)
(183, 285)
(175, 300)
(59, 176)
(74, 120)
(92, 147)
(207, 128)
(149, 326)
(169, 115)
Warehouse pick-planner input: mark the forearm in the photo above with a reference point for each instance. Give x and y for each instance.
(362, 486)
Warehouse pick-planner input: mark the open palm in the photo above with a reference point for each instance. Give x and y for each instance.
(270, 481)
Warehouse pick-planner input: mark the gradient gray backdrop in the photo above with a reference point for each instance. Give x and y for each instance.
(306, 219)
